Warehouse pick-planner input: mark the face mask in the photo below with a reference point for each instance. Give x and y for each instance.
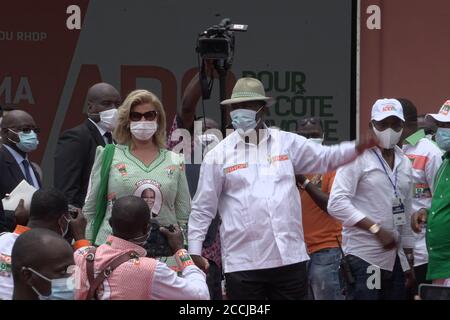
(141, 240)
(27, 141)
(66, 229)
(61, 288)
(443, 138)
(143, 130)
(108, 119)
(244, 120)
(316, 140)
(388, 138)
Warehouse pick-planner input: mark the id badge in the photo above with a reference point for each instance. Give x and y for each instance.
(398, 210)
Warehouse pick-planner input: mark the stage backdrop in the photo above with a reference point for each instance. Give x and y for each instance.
(301, 50)
(406, 54)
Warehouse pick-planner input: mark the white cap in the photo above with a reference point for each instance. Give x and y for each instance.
(443, 115)
(384, 108)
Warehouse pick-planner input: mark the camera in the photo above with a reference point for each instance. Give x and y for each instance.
(217, 42)
(157, 244)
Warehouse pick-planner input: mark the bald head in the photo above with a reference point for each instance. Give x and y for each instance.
(17, 118)
(101, 97)
(46, 253)
(100, 91)
(130, 217)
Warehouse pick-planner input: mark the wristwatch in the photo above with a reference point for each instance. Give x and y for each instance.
(374, 229)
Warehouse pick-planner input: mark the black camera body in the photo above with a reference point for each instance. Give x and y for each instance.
(157, 244)
(217, 42)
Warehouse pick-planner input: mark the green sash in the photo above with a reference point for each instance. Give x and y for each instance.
(102, 200)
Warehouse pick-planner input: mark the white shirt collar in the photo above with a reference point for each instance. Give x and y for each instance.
(237, 138)
(102, 131)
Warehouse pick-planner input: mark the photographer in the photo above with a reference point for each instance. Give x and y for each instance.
(133, 276)
(48, 210)
(185, 120)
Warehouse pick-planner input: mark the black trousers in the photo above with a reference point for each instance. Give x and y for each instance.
(282, 283)
(214, 281)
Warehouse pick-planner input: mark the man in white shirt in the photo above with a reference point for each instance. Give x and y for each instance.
(372, 198)
(426, 158)
(249, 178)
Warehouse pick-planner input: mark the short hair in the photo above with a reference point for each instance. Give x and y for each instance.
(48, 204)
(128, 215)
(409, 110)
(122, 132)
(26, 250)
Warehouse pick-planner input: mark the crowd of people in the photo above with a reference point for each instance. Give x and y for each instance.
(265, 214)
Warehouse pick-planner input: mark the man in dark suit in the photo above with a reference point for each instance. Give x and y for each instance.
(19, 137)
(76, 147)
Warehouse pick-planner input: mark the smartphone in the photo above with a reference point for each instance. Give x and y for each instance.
(434, 292)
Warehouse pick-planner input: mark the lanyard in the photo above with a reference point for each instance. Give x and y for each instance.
(394, 184)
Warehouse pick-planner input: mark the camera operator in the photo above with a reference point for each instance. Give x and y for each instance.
(185, 120)
(132, 275)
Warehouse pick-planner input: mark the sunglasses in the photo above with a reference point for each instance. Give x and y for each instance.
(137, 116)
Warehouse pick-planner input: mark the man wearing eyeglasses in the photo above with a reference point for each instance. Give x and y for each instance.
(76, 147)
(19, 136)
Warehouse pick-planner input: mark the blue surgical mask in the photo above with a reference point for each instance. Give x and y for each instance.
(443, 138)
(27, 141)
(61, 288)
(244, 119)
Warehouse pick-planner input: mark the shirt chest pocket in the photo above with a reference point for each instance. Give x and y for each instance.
(238, 175)
(283, 170)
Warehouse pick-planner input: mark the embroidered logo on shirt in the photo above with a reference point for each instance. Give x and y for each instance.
(235, 168)
(171, 170)
(282, 157)
(122, 169)
(418, 162)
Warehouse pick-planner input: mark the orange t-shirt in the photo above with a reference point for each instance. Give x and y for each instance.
(319, 227)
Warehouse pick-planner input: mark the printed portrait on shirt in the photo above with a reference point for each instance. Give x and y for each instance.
(150, 191)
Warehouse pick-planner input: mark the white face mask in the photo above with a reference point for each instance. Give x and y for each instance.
(108, 119)
(143, 130)
(387, 138)
(316, 140)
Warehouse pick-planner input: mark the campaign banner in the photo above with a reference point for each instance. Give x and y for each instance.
(53, 51)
